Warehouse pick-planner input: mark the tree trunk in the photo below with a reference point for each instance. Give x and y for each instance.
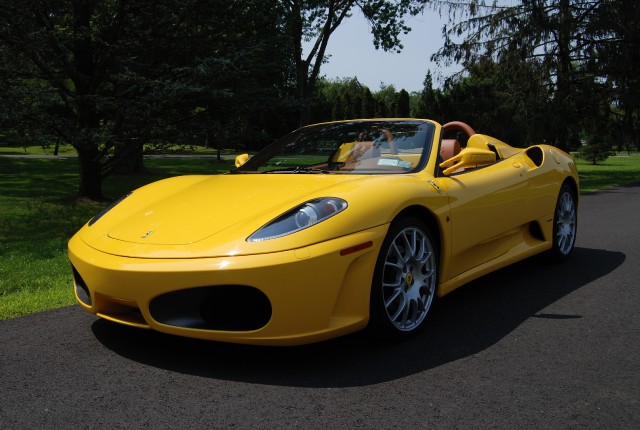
(128, 158)
(563, 91)
(90, 175)
(305, 96)
(86, 111)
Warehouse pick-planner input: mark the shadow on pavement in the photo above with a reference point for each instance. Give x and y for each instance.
(463, 323)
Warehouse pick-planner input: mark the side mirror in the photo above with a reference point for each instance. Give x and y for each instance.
(241, 159)
(467, 158)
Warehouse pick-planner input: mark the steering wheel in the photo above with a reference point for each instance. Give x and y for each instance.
(458, 126)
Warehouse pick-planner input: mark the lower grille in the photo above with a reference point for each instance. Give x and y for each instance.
(223, 307)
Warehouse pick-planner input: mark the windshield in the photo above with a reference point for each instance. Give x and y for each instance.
(363, 146)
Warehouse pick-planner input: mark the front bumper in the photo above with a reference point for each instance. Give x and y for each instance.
(313, 293)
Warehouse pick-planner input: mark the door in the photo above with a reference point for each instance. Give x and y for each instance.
(488, 212)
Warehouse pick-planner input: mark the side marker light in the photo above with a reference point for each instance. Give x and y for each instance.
(356, 248)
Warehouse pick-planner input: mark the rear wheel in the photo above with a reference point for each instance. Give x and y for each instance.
(405, 280)
(565, 223)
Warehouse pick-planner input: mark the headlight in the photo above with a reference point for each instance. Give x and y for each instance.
(93, 220)
(299, 218)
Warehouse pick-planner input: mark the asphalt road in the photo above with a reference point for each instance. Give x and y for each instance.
(531, 346)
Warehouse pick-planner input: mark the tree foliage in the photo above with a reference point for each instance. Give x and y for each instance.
(596, 151)
(314, 21)
(568, 40)
(112, 77)
(614, 59)
(108, 76)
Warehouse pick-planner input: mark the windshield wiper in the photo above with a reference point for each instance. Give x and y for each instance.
(299, 169)
(310, 170)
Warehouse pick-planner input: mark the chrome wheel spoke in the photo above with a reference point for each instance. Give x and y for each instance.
(409, 246)
(399, 253)
(401, 308)
(405, 312)
(396, 265)
(396, 284)
(393, 297)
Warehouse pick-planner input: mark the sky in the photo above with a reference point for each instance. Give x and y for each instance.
(353, 54)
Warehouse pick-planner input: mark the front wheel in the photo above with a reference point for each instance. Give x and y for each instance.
(565, 224)
(405, 280)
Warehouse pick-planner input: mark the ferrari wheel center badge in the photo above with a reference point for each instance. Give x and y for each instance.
(409, 279)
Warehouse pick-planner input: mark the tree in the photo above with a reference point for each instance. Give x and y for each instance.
(504, 99)
(234, 78)
(368, 108)
(614, 61)
(108, 76)
(315, 21)
(427, 103)
(596, 151)
(386, 100)
(552, 32)
(57, 46)
(402, 105)
(342, 99)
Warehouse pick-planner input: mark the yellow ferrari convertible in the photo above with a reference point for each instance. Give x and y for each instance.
(333, 228)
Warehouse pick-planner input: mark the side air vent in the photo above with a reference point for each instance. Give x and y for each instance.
(535, 230)
(535, 154)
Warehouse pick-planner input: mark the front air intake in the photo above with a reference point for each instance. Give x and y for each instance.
(82, 291)
(222, 307)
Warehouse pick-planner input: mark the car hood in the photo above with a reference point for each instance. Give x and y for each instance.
(209, 206)
(197, 216)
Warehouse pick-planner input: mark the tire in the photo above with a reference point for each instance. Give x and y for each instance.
(565, 225)
(404, 280)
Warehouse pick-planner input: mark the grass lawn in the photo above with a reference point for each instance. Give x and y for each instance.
(614, 172)
(69, 151)
(63, 150)
(38, 215)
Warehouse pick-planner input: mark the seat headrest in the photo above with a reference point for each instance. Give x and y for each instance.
(449, 148)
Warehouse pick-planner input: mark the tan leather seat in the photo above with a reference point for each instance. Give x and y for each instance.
(449, 148)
